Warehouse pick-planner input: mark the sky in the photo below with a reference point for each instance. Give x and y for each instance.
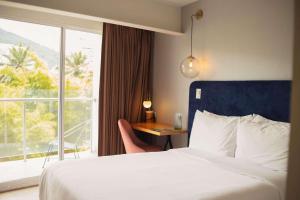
(88, 43)
(45, 35)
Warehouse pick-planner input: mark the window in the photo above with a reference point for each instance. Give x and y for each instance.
(31, 74)
(82, 67)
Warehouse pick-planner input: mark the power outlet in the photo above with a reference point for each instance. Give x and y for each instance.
(198, 93)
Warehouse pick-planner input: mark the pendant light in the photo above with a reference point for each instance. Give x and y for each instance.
(189, 67)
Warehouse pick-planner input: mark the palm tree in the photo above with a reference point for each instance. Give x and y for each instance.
(18, 57)
(75, 63)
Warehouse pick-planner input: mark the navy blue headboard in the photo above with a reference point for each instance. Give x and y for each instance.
(270, 99)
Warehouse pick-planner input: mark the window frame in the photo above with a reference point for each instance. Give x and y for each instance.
(62, 22)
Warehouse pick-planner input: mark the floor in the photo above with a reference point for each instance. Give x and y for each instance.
(18, 174)
(31, 193)
(20, 169)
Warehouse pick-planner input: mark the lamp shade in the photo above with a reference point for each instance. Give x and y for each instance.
(147, 104)
(189, 67)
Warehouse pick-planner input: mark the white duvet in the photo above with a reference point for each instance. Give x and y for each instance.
(181, 174)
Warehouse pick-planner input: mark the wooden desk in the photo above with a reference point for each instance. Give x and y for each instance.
(158, 129)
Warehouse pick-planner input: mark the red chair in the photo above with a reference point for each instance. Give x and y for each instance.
(131, 142)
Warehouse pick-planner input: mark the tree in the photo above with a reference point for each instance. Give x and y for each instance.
(11, 77)
(75, 64)
(25, 75)
(18, 57)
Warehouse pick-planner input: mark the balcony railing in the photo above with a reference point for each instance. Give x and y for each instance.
(69, 132)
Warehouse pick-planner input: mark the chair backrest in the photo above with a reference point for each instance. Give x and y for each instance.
(130, 140)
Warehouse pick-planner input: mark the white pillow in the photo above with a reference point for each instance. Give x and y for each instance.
(239, 118)
(214, 133)
(264, 142)
(260, 119)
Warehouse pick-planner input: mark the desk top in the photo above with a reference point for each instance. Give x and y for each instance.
(155, 128)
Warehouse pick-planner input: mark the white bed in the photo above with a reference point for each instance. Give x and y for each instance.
(175, 174)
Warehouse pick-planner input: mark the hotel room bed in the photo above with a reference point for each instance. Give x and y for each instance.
(186, 173)
(175, 174)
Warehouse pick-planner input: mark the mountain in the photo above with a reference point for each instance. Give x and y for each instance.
(50, 57)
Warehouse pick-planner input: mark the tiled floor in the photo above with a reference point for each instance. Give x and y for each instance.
(31, 193)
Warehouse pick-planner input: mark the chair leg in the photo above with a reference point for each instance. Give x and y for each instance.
(51, 148)
(47, 154)
(74, 152)
(76, 149)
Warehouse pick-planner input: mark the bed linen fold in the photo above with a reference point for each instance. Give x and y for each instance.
(179, 174)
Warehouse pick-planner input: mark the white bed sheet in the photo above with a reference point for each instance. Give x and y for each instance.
(181, 174)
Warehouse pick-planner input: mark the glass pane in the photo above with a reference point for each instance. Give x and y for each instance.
(29, 74)
(29, 60)
(41, 127)
(82, 67)
(11, 130)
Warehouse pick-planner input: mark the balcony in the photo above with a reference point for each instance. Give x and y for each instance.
(29, 135)
(36, 76)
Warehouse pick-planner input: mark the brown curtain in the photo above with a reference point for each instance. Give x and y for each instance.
(125, 81)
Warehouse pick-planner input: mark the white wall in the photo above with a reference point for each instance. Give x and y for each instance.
(236, 40)
(145, 14)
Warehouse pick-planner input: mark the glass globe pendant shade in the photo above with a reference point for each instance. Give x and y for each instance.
(189, 67)
(147, 104)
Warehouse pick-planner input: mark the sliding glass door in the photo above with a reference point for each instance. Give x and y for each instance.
(49, 80)
(29, 68)
(81, 83)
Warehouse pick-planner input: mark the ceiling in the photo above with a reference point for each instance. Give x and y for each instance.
(178, 3)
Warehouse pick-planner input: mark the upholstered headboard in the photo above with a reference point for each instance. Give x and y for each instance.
(270, 99)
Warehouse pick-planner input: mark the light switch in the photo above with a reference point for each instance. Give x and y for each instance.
(198, 93)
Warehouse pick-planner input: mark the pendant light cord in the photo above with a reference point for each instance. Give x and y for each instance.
(192, 27)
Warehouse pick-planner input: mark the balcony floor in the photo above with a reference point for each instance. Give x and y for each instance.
(18, 174)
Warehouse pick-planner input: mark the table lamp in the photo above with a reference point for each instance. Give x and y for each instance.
(149, 113)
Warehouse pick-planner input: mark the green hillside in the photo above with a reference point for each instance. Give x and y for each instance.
(49, 56)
